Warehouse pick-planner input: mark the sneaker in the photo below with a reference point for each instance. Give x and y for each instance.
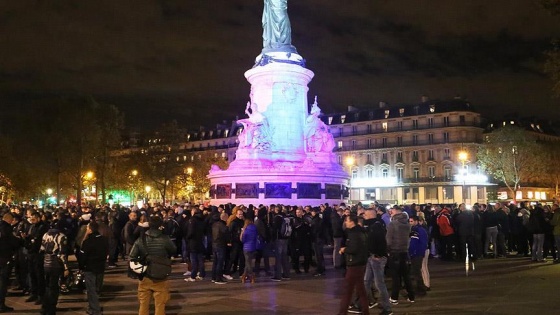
(394, 302)
(354, 310)
(372, 305)
(276, 279)
(385, 312)
(199, 278)
(213, 281)
(188, 273)
(190, 279)
(228, 277)
(220, 282)
(411, 301)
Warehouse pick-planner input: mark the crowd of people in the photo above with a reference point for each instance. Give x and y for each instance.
(367, 242)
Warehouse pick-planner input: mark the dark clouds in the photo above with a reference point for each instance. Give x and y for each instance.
(170, 58)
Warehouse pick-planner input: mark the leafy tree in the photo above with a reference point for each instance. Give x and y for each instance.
(511, 156)
(195, 184)
(551, 174)
(552, 65)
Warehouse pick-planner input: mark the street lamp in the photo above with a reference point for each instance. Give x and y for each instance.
(350, 161)
(463, 156)
(147, 189)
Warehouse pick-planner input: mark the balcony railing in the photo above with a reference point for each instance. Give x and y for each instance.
(357, 146)
(337, 133)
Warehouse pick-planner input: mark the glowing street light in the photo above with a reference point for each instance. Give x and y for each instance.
(89, 175)
(134, 173)
(189, 170)
(49, 191)
(148, 189)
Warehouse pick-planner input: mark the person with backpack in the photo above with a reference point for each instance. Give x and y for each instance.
(282, 231)
(153, 248)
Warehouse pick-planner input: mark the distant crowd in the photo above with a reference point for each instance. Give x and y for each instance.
(241, 240)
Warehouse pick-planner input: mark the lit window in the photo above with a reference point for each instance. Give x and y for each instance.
(342, 118)
(519, 195)
(354, 173)
(369, 173)
(401, 111)
(512, 122)
(330, 120)
(340, 144)
(432, 171)
(226, 133)
(416, 172)
(530, 194)
(543, 195)
(385, 173)
(223, 155)
(386, 113)
(384, 125)
(432, 108)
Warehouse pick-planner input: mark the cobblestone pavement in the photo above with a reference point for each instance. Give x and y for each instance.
(497, 286)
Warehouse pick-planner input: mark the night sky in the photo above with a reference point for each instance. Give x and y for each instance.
(159, 60)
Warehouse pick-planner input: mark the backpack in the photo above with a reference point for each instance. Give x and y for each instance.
(159, 268)
(285, 228)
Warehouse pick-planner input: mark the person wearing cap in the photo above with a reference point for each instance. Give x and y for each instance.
(157, 244)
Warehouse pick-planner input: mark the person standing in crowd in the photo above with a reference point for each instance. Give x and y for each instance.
(417, 250)
(220, 239)
(10, 245)
(465, 228)
(157, 244)
(300, 242)
(263, 246)
(338, 234)
(398, 240)
(21, 225)
(195, 240)
(446, 233)
(236, 258)
(319, 237)
(33, 239)
(128, 231)
(54, 246)
(281, 224)
(537, 228)
(556, 232)
(93, 254)
(490, 219)
(356, 255)
(249, 236)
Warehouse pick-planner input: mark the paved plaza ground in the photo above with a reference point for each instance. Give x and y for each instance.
(497, 286)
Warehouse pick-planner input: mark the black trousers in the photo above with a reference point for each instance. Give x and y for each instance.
(399, 264)
(52, 291)
(36, 274)
(5, 270)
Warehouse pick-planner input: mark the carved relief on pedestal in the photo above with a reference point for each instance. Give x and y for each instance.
(317, 135)
(256, 130)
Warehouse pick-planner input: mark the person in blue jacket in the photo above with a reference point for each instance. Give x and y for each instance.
(417, 250)
(249, 236)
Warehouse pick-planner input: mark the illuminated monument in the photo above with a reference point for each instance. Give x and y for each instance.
(285, 151)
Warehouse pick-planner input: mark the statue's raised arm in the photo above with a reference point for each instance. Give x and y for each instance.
(277, 31)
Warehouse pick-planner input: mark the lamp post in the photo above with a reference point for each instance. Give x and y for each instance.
(133, 174)
(463, 156)
(147, 189)
(350, 161)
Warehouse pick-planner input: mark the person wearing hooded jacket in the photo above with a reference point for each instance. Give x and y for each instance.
(398, 240)
(157, 244)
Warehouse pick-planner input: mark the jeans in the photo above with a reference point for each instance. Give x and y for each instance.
(282, 263)
(249, 263)
(92, 296)
(197, 261)
(218, 263)
(319, 255)
(537, 249)
(160, 290)
(400, 272)
(375, 273)
(263, 254)
(337, 258)
(491, 237)
(52, 290)
(354, 280)
(5, 270)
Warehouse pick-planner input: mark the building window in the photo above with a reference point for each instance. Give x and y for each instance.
(431, 155)
(430, 138)
(446, 121)
(353, 144)
(368, 159)
(432, 171)
(415, 156)
(399, 125)
(223, 155)
(431, 193)
(384, 142)
(400, 173)
(448, 193)
(354, 130)
(415, 124)
(340, 144)
(369, 128)
(414, 139)
(432, 108)
(447, 154)
(399, 157)
(342, 118)
(399, 141)
(370, 143)
(386, 113)
(447, 172)
(385, 173)
(416, 173)
(370, 115)
(369, 173)
(430, 122)
(401, 112)
(384, 158)
(339, 159)
(354, 173)
(446, 137)
(411, 193)
(384, 126)
(462, 120)
(330, 120)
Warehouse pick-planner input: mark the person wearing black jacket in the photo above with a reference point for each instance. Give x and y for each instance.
(128, 231)
(300, 242)
(338, 235)
(54, 245)
(220, 239)
(195, 242)
(32, 243)
(356, 255)
(93, 254)
(10, 244)
(318, 237)
(263, 249)
(236, 258)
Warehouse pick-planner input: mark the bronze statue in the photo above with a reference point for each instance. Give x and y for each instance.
(277, 32)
